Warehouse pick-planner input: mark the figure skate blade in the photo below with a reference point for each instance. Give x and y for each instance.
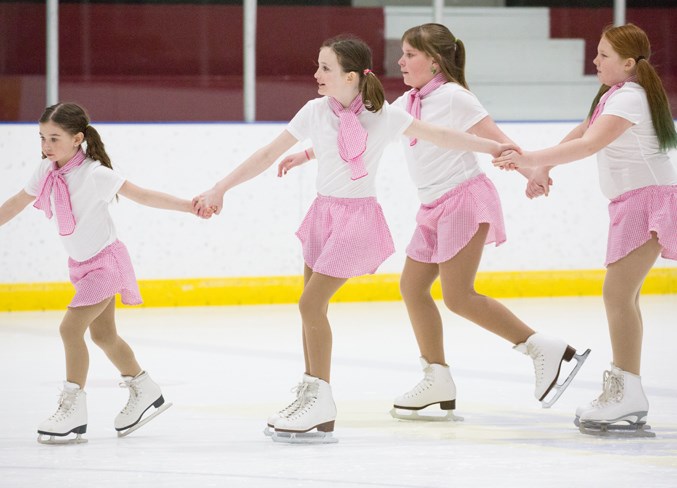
(558, 388)
(425, 415)
(144, 420)
(616, 431)
(316, 437)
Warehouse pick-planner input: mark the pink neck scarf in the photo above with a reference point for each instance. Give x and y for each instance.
(602, 101)
(352, 137)
(54, 180)
(416, 95)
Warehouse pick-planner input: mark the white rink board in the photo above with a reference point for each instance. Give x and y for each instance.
(254, 235)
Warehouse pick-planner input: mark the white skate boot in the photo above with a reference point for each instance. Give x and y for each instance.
(620, 410)
(289, 409)
(548, 355)
(436, 388)
(70, 417)
(143, 394)
(316, 411)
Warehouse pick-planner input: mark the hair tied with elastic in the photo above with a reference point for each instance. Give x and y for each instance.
(639, 58)
(367, 71)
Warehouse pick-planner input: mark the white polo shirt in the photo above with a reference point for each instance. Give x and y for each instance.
(317, 122)
(92, 188)
(634, 159)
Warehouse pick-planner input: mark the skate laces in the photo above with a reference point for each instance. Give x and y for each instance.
(612, 390)
(424, 384)
(66, 401)
(134, 392)
(307, 397)
(539, 361)
(299, 390)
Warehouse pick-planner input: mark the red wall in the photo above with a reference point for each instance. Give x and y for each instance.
(171, 62)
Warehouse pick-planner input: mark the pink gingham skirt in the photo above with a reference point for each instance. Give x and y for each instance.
(345, 237)
(635, 214)
(445, 226)
(103, 276)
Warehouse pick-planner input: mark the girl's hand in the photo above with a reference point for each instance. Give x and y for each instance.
(208, 203)
(539, 183)
(292, 161)
(511, 160)
(504, 147)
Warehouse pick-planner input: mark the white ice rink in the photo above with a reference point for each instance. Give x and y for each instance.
(227, 369)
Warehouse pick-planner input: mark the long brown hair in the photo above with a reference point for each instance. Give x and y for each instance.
(629, 41)
(355, 55)
(440, 44)
(74, 119)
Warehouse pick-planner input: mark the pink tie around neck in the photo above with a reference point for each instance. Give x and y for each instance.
(416, 95)
(54, 180)
(352, 137)
(602, 101)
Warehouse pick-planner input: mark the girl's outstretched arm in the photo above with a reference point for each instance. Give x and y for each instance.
(603, 132)
(454, 139)
(14, 205)
(253, 166)
(156, 199)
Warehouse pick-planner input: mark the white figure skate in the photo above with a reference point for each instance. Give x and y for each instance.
(316, 412)
(143, 394)
(289, 409)
(548, 355)
(621, 409)
(69, 418)
(436, 388)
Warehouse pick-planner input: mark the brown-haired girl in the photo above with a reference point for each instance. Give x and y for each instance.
(76, 181)
(630, 127)
(344, 234)
(460, 212)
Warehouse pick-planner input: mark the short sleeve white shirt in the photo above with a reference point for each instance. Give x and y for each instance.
(436, 170)
(634, 159)
(92, 188)
(317, 122)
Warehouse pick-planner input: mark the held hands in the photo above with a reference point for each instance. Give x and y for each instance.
(503, 148)
(511, 160)
(208, 203)
(539, 183)
(291, 161)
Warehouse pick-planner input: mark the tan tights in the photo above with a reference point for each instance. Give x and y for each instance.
(622, 284)
(100, 319)
(317, 337)
(457, 277)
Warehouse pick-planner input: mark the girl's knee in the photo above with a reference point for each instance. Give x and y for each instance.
(103, 338)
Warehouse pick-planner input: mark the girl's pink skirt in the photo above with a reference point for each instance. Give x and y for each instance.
(345, 237)
(103, 276)
(445, 226)
(635, 214)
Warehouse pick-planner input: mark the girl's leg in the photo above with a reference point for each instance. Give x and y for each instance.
(317, 335)
(458, 289)
(307, 273)
(105, 335)
(72, 330)
(415, 284)
(622, 285)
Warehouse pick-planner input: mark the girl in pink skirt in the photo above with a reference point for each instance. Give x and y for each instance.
(630, 127)
(344, 233)
(460, 213)
(77, 184)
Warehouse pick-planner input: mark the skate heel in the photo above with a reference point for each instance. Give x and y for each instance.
(569, 354)
(326, 427)
(158, 403)
(448, 405)
(80, 430)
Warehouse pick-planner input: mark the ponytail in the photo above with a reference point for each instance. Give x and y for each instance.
(95, 147)
(373, 94)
